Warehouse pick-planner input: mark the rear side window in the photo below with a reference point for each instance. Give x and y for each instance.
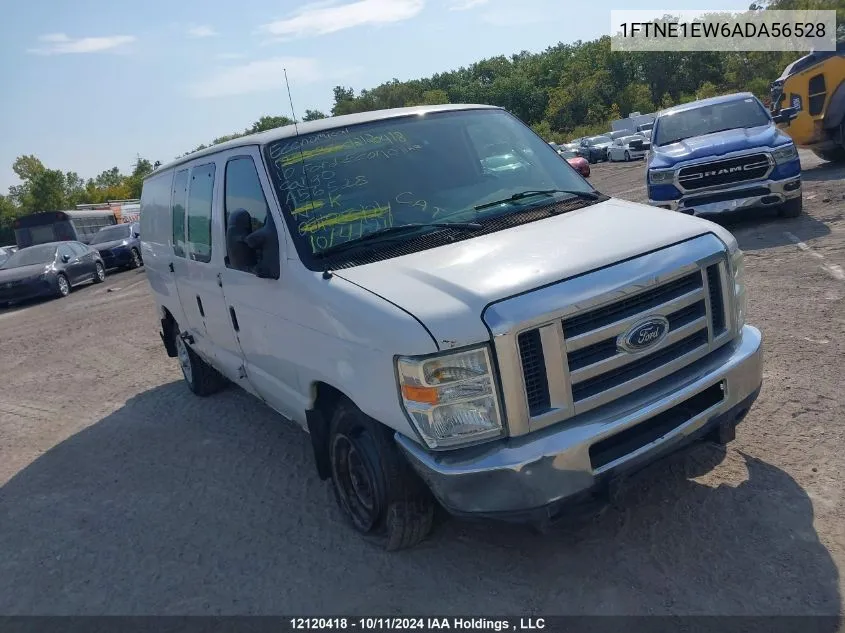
(156, 198)
(180, 194)
(199, 212)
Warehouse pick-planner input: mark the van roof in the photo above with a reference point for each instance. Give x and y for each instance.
(320, 125)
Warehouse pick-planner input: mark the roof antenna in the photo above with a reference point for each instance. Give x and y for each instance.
(327, 274)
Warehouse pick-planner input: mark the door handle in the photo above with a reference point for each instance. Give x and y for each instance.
(234, 319)
(170, 266)
(199, 305)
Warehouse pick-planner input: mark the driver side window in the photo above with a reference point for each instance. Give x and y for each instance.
(78, 248)
(251, 239)
(65, 253)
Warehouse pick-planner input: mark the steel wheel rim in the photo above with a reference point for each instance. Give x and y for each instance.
(64, 288)
(354, 483)
(184, 360)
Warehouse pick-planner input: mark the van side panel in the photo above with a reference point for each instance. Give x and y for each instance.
(156, 241)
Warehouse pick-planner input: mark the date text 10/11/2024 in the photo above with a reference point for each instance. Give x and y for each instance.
(419, 624)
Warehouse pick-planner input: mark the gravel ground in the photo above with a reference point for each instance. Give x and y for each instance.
(123, 494)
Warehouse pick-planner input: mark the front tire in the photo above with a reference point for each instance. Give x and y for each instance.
(376, 489)
(62, 286)
(792, 208)
(202, 378)
(627, 156)
(100, 274)
(135, 261)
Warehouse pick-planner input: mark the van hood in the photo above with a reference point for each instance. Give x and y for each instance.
(447, 288)
(716, 144)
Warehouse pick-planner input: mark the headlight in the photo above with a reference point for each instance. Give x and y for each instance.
(661, 176)
(740, 295)
(451, 398)
(785, 153)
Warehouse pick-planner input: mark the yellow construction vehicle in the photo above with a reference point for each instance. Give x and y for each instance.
(808, 102)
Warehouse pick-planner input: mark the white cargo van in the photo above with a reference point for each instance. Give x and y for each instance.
(450, 311)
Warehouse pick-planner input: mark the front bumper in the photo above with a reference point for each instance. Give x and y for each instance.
(532, 477)
(22, 291)
(761, 194)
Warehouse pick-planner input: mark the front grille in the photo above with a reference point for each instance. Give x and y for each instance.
(628, 307)
(599, 370)
(534, 371)
(724, 172)
(717, 302)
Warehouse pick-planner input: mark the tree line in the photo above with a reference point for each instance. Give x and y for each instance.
(565, 91)
(44, 189)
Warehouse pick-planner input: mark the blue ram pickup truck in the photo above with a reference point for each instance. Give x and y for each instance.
(723, 154)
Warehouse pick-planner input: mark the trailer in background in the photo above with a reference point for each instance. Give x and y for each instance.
(634, 122)
(124, 210)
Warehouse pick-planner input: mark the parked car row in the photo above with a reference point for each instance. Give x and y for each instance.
(579, 163)
(54, 268)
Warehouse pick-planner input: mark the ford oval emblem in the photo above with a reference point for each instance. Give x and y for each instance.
(643, 335)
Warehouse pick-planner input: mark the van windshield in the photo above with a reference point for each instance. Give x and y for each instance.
(718, 117)
(342, 184)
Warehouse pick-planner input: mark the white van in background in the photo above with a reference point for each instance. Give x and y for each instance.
(505, 342)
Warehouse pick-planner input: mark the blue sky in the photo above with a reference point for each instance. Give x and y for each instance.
(91, 83)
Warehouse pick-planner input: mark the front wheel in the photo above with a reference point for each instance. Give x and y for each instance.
(376, 489)
(627, 156)
(135, 262)
(62, 285)
(100, 274)
(792, 208)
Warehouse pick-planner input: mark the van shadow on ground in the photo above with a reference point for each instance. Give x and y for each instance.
(180, 505)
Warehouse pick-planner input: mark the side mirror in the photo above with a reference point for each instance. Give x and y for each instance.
(65, 259)
(785, 115)
(136, 235)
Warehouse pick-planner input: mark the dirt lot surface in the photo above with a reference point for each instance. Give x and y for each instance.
(124, 494)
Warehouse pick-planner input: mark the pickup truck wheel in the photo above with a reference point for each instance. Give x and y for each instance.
(201, 377)
(792, 208)
(375, 488)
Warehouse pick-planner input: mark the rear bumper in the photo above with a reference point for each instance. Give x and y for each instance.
(533, 477)
(769, 193)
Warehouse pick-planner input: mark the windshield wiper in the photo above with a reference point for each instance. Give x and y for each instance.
(588, 195)
(393, 232)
